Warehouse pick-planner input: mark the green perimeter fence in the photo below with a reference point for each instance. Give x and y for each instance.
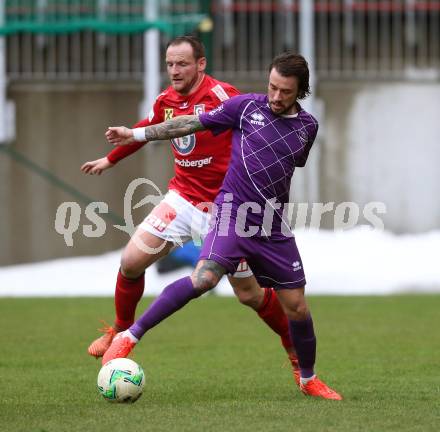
(105, 16)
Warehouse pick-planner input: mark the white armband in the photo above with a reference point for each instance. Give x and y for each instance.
(139, 134)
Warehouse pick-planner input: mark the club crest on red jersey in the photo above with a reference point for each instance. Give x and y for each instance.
(184, 145)
(199, 109)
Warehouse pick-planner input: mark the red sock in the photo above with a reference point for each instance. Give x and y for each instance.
(127, 295)
(273, 315)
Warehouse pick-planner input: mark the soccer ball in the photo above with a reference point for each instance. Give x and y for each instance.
(121, 380)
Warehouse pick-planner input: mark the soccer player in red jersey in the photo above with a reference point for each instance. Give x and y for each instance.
(201, 160)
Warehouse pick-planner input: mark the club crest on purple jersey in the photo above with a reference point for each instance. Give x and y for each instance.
(303, 136)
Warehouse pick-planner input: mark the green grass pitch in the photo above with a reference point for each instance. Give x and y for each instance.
(215, 367)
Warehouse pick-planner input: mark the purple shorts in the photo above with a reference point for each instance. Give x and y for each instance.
(275, 263)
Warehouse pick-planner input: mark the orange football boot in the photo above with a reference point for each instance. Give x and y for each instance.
(315, 387)
(99, 346)
(119, 348)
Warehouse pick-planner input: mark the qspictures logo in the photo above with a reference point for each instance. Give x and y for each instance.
(229, 214)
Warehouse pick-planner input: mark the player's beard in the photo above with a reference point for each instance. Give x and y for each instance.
(191, 85)
(283, 111)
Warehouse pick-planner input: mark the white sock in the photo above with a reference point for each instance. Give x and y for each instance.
(130, 335)
(304, 381)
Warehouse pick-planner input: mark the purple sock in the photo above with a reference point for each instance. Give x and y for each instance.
(172, 298)
(304, 341)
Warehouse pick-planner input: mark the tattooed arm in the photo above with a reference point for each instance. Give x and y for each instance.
(174, 128)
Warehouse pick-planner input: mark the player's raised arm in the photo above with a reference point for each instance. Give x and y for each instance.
(174, 128)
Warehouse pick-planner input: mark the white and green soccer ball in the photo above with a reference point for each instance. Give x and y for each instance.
(121, 380)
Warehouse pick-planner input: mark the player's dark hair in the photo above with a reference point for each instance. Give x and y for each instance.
(289, 64)
(196, 44)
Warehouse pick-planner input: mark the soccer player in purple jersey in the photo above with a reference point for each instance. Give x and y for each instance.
(272, 135)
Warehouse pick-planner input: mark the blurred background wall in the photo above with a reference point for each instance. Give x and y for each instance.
(73, 68)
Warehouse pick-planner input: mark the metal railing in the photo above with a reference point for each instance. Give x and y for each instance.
(87, 39)
(354, 39)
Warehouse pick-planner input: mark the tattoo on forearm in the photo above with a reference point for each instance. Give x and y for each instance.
(176, 127)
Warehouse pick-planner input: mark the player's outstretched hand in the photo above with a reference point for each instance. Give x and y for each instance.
(97, 166)
(119, 136)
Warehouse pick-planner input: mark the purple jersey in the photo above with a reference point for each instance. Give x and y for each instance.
(266, 149)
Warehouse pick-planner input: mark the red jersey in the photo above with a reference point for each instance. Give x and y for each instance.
(200, 159)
